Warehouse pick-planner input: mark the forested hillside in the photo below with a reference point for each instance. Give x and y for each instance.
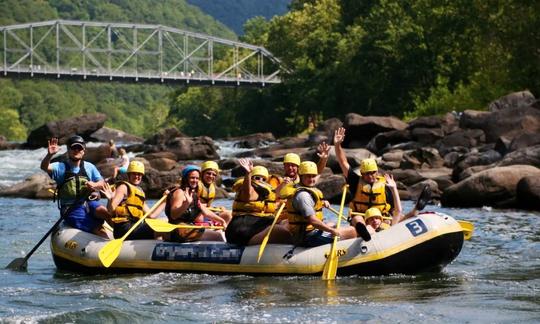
(234, 13)
(377, 57)
(139, 109)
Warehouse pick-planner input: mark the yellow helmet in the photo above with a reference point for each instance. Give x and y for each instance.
(308, 167)
(209, 165)
(135, 167)
(368, 165)
(374, 212)
(259, 170)
(292, 158)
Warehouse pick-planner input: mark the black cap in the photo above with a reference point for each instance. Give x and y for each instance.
(76, 140)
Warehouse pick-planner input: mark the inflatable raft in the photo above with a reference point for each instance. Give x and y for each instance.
(426, 243)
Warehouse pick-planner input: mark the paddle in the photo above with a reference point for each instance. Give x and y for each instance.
(468, 229)
(265, 240)
(110, 251)
(161, 226)
(21, 264)
(342, 216)
(330, 267)
(216, 209)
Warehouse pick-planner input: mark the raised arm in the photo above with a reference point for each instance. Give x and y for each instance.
(322, 152)
(339, 137)
(52, 149)
(390, 183)
(246, 189)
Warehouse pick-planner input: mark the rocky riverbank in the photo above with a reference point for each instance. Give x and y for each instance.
(474, 158)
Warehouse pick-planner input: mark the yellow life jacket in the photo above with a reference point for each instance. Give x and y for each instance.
(131, 207)
(297, 222)
(368, 196)
(264, 206)
(206, 194)
(383, 226)
(274, 180)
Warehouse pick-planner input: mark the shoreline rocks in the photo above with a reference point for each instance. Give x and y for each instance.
(473, 158)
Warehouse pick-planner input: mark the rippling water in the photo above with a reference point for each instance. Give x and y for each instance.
(495, 279)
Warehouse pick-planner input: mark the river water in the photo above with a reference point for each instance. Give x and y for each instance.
(495, 279)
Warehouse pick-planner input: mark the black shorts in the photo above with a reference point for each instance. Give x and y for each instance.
(242, 228)
(142, 232)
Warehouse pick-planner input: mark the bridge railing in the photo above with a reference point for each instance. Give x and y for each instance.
(131, 52)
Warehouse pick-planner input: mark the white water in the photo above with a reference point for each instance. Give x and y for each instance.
(17, 165)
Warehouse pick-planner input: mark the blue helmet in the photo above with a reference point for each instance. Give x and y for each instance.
(188, 169)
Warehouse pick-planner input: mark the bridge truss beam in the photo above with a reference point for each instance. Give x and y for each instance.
(82, 50)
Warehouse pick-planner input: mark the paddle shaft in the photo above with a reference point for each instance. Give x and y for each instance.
(21, 263)
(330, 267)
(337, 213)
(163, 227)
(267, 236)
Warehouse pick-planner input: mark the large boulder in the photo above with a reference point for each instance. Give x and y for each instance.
(474, 159)
(105, 134)
(361, 129)
(253, 140)
(84, 126)
(382, 142)
(527, 155)
(512, 122)
(193, 148)
(520, 99)
(38, 185)
(164, 136)
(528, 192)
(332, 187)
(447, 123)
(492, 187)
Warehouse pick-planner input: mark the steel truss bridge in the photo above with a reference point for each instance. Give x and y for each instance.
(82, 50)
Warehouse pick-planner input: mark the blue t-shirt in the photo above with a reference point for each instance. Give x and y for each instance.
(59, 170)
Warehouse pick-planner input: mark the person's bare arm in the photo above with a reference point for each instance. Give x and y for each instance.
(246, 191)
(339, 137)
(322, 151)
(397, 213)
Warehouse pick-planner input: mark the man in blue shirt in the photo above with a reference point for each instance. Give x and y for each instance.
(77, 181)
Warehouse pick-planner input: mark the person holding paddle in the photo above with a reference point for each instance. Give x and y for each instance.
(184, 206)
(305, 215)
(78, 183)
(127, 204)
(253, 209)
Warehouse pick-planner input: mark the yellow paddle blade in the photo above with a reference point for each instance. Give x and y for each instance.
(110, 252)
(267, 236)
(468, 229)
(331, 265)
(217, 209)
(161, 226)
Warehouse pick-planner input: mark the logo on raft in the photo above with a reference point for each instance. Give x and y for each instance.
(72, 245)
(211, 253)
(339, 252)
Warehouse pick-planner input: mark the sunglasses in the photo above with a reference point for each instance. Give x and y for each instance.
(76, 148)
(257, 178)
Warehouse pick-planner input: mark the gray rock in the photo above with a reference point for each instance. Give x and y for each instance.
(528, 192)
(84, 125)
(492, 187)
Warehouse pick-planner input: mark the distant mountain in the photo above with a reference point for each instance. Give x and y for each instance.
(234, 13)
